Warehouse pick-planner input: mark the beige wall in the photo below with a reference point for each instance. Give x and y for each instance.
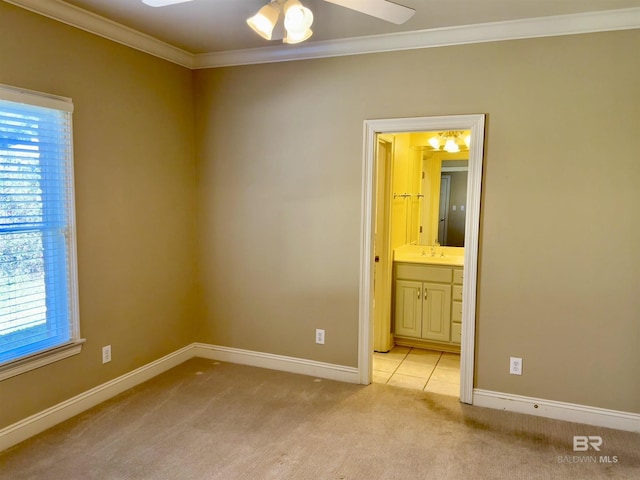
(279, 171)
(278, 164)
(134, 173)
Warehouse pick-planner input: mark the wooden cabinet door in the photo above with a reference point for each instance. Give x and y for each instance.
(436, 312)
(408, 310)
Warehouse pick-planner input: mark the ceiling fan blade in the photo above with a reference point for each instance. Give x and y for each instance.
(162, 3)
(383, 9)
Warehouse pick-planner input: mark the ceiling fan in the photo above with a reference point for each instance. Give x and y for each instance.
(298, 19)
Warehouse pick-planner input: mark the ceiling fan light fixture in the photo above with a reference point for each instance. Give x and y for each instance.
(292, 37)
(297, 18)
(265, 20)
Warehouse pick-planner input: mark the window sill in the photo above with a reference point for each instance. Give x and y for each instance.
(40, 359)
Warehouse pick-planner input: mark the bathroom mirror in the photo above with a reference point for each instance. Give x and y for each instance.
(442, 199)
(430, 188)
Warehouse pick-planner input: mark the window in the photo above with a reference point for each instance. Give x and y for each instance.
(38, 281)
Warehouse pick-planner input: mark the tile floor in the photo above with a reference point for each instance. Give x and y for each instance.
(428, 370)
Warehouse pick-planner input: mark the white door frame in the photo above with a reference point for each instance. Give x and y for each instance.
(383, 340)
(475, 123)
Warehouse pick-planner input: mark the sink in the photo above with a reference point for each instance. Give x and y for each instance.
(414, 254)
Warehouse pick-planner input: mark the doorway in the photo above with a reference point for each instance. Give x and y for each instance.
(443, 213)
(374, 128)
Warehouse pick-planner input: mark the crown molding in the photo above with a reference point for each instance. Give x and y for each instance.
(103, 27)
(590, 22)
(623, 19)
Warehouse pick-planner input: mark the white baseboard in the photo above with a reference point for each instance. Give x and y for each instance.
(30, 426)
(277, 362)
(569, 412)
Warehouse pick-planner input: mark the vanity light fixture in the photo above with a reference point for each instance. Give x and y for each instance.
(452, 140)
(435, 142)
(451, 146)
(296, 17)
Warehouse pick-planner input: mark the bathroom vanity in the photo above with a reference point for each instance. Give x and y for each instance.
(427, 295)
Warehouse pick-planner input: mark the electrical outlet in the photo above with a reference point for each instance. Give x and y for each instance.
(515, 366)
(319, 336)
(106, 354)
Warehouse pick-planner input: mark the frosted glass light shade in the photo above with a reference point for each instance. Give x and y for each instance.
(451, 146)
(264, 21)
(297, 18)
(434, 142)
(297, 38)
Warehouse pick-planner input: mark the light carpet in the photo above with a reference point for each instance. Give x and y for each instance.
(212, 420)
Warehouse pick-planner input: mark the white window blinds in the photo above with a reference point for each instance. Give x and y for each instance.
(38, 292)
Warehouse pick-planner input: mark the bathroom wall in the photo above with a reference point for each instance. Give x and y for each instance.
(406, 180)
(134, 174)
(401, 184)
(280, 187)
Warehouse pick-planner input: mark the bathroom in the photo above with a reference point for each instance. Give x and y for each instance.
(419, 243)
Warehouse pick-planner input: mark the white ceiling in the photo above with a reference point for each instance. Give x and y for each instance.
(218, 29)
(204, 26)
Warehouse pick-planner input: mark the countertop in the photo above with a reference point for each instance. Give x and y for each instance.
(450, 256)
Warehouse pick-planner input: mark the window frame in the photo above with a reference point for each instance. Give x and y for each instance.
(73, 345)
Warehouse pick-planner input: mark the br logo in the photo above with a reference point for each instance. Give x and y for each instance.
(582, 443)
